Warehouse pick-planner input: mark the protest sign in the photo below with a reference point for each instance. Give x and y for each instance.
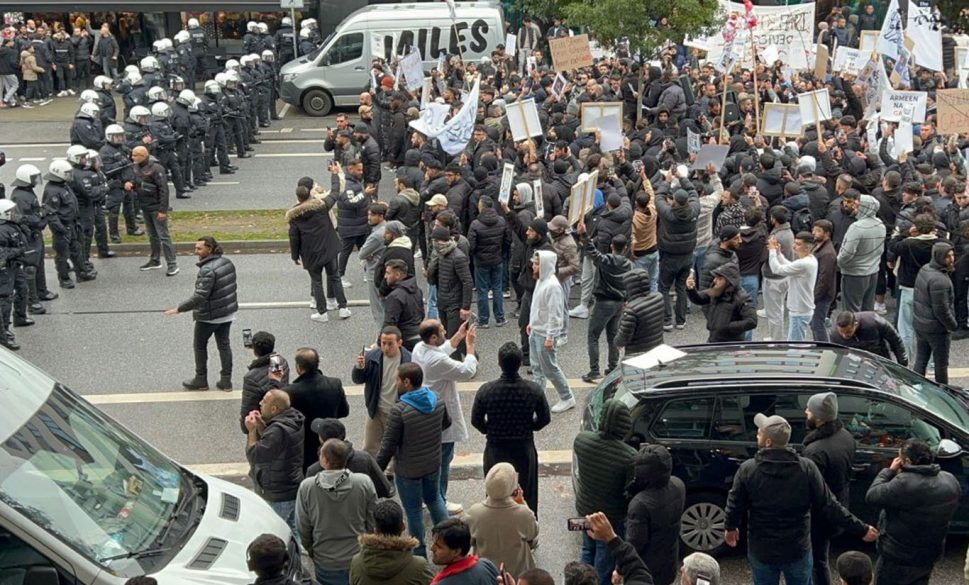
(413, 68)
(523, 119)
(961, 55)
(953, 110)
(710, 153)
(507, 176)
(593, 110)
(577, 200)
(693, 141)
(891, 34)
(812, 102)
(426, 90)
(820, 61)
(377, 46)
(511, 42)
(558, 86)
(781, 120)
(789, 29)
(903, 139)
(570, 53)
(590, 192)
(925, 31)
(868, 41)
(895, 104)
(902, 75)
(539, 198)
(610, 133)
(849, 60)
(769, 54)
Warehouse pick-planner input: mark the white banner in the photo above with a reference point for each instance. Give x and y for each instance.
(457, 132)
(790, 29)
(890, 39)
(904, 105)
(924, 28)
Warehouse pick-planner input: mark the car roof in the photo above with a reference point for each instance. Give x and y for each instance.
(761, 363)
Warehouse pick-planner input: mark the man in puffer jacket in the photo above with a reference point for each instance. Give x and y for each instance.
(488, 238)
(641, 322)
(604, 465)
(860, 253)
(934, 319)
(451, 272)
(731, 311)
(653, 522)
(352, 204)
(610, 295)
(677, 240)
(405, 206)
(213, 307)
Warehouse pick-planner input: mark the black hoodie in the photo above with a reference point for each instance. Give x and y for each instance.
(731, 314)
(653, 519)
(404, 308)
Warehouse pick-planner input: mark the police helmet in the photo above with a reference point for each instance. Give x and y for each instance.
(76, 153)
(27, 176)
(60, 170)
(186, 97)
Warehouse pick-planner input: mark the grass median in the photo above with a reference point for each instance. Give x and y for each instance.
(239, 224)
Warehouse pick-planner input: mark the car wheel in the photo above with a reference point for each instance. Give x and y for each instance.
(316, 102)
(703, 523)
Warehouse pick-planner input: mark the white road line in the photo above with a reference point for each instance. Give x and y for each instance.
(312, 130)
(282, 113)
(293, 155)
(294, 304)
(223, 183)
(219, 396)
(286, 131)
(269, 131)
(292, 141)
(36, 145)
(563, 457)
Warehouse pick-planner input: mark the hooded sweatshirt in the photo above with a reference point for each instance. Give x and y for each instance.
(389, 560)
(547, 316)
(801, 275)
(503, 530)
(604, 464)
(653, 524)
(864, 241)
(333, 509)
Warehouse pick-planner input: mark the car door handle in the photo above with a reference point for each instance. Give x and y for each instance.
(860, 468)
(358, 68)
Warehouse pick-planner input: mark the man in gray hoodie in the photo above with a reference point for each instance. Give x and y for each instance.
(332, 510)
(860, 253)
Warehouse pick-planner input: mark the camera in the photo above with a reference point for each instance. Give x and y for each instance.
(247, 337)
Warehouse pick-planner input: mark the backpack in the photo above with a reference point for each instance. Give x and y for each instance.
(802, 221)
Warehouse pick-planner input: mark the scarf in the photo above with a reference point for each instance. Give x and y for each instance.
(445, 248)
(461, 566)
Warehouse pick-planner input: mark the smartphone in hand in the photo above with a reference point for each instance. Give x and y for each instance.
(578, 525)
(247, 337)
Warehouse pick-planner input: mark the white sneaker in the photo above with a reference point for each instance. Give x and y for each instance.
(454, 508)
(347, 283)
(563, 405)
(331, 304)
(71, 92)
(62, 94)
(561, 341)
(319, 318)
(580, 312)
(880, 308)
(312, 303)
(417, 254)
(762, 313)
(345, 313)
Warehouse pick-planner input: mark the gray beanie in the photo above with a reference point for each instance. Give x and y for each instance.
(824, 406)
(395, 227)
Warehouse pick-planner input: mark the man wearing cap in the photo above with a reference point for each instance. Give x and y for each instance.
(357, 461)
(724, 252)
(776, 493)
(677, 236)
(867, 330)
(832, 448)
(339, 141)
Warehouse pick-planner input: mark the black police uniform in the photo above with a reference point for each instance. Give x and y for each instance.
(215, 145)
(116, 166)
(33, 222)
(109, 111)
(12, 250)
(90, 188)
(200, 48)
(61, 209)
(166, 144)
(198, 129)
(87, 132)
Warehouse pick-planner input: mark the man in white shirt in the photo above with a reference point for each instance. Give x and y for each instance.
(441, 374)
(800, 274)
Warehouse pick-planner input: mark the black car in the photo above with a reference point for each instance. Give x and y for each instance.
(701, 406)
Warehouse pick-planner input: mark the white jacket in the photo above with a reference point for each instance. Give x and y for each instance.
(442, 374)
(547, 316)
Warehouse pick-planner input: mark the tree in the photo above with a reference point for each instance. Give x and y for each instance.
(634, 20)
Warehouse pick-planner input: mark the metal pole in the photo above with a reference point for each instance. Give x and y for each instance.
(292, 17)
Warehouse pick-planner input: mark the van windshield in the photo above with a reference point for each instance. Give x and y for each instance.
(90, 483)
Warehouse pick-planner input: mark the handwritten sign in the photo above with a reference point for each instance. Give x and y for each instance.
(899, 105)
(693, 141)
(413, 69)
(507, 176)
(849, 60)
(539, 198)
(953, 110)
(570, 53)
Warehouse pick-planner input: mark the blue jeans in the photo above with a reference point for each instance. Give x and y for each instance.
(797, 327)
(751, 284)
(906, 329)
(412, 492)
(432, 302)
(447, 455)
(650, 263)
(326, 576)
(488, 278)
(287, 511)
(795, 573)
(596, 553)
(546, 366)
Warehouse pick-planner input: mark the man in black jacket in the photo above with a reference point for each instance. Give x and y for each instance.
(731, 311)
(867, 330)
(489, 237)
(678, 215)
(404, 305)
(918, 500)
(777, 492)
(213, 307)
(357, 461)
(352, 202)
(629, 565)
(314, 395)
(934, 319)
(150, 185)
(609, 292)
(655, 507)
(256, 381)
(451, 272)
(370, 155)
(641, 321)
(832, 448)
(377, 371)
(274, 449)
(508, 412)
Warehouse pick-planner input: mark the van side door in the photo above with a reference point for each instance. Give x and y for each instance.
(346, 67)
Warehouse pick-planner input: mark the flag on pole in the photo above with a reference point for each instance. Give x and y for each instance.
(891, 36)
(451, 8)
(457, 132)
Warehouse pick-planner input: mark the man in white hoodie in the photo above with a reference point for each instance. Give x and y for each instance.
(801, 273)
(333, 509)
(546, 323)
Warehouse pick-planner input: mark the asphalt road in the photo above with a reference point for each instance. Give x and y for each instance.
(109, 341)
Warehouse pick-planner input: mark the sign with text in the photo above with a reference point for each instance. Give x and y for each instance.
(413, 69)
(899, 105)
(570, 53)
(849, 60)
(953, 110)
(591, 111)
(507, 176)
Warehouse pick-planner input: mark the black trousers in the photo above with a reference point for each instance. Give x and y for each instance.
(523, 457)
(203, 331)
(349, 242)
(936, 346)
(121, 202)
(524, 315)
(960, 282)
(67, 246)
(820, 549)
(334, 286)
(888, 572)
(82, 75)
(21, 292)
(451, 319)
(605, 315)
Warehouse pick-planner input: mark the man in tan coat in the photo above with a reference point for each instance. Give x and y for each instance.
(30, 69)
(503, 528)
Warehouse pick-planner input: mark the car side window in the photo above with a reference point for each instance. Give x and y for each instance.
(21, 563)
(685, 419)
(346, 48)
(877, 423)
(735, 417)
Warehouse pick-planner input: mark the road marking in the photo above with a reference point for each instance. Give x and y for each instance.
(312, 130)
(286, 131)
(269, 131)
(236, 395)
(37, 145)
(293, 155)
(293, 141)
(32, 159)
(222, 183)
(563, 457)
(282, 113)
(293, 304)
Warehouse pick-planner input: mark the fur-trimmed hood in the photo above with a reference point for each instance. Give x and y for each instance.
(304, 209)
(389, 560)
(387, 542)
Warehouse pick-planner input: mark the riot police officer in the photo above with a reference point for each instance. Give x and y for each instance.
(235, 113)
(271, 73)
(32, 222)
(151, 72)
(165, 140)
(251, 38)
(284, 42)
(182, 124)
(199, 125)
(136, 128)
(87, 190)
(306, 44)
(215, 146)
(86, 129)
(117, 170)
(60, 207)
(134, 91)
(99, 192)
(200, 47)
(184, 61)
(156, 95)
(109, 111)
(12, 250)
(264, 41)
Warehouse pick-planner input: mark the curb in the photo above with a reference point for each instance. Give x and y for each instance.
(188, 248)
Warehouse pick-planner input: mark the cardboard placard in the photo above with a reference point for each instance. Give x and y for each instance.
(711, 153)
(539, 198)
(821, 57)
(577, 201)
(594, 110)
(558, 86)
(570, 53)
(899, 105)
(812, 101)
(610, 133)
(868, 41)
(511, 44)
(507, 176)
(523, 119)
(849, 60)
(953, 110)
(781, 120)
(903, 138)
(413, 69)
(694, 141)
(590, 192)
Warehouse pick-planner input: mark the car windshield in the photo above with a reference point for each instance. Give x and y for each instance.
(927, 395)
(98, 488)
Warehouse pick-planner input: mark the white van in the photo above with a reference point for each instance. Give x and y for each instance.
(85, 501)
(337, 72)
